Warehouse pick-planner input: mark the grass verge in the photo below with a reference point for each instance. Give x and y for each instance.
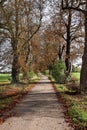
(5, 78)
(11, 94)
(76, 106)
(75, 75)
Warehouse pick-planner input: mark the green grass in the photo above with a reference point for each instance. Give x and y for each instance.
(76, 104)
(46, 72)
(61, 88)
(5, 78)
(5, 102)
(11, 93)
(78, 115)
(76, 75)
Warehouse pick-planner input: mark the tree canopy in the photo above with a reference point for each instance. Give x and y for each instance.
(42, 32)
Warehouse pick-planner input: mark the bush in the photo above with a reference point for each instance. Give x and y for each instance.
(79, 116)
(31, 74)
(46, 72)
(58, 72)
(75, 69)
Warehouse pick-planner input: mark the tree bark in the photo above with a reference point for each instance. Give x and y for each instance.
(67, 59)
(83, 74)
(15, 69)
(83, 77)
(50, 69)
(15, 64)
(60, 52)
(68, 43)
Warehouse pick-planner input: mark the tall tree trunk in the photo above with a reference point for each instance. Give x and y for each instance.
(15, 64)
(50, 69)
(83, 74)
(60, 52)
(83, 77)
(67, 59)
(15, 69)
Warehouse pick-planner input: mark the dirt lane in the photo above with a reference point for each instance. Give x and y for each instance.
(39, 110)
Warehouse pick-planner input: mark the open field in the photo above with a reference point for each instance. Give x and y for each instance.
(5, 78)
(76, 75)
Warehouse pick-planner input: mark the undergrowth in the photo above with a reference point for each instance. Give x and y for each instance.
(76, 105)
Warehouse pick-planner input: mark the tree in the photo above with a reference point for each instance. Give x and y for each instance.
(36, 56)
(58, 32)
(2, 2)
(33, 23)
(82, 7)
(67, 27)
(50, 52)
(5, 57)
(16, 24)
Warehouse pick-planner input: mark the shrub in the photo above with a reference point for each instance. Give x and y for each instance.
(46, 72)
(31, 74)
(75, 69)
(58, 72)
(78, 115)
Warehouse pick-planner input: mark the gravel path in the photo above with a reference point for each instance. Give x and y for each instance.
(39, 110)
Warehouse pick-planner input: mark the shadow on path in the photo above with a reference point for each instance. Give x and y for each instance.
(39, 110)
(44, 82)
(39, 105)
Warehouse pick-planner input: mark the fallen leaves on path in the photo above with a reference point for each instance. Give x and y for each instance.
(16, 94)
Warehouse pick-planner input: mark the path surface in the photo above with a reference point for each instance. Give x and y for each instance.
(39, 110)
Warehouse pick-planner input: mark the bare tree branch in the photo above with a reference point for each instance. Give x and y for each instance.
(2, 2)
(73, 8)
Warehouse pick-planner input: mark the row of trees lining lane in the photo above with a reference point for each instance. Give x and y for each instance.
(67, 27)
(82, 7)
(21, 21)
